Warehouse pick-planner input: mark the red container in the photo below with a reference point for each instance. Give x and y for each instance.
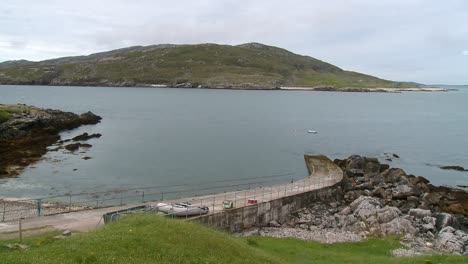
(251, 201)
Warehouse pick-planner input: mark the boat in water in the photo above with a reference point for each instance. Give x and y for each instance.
(312, 131)
(181, 209)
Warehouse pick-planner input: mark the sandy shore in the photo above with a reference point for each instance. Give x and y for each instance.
(377, 89)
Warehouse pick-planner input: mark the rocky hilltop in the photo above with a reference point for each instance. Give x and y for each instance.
(246, 66)
(27, 131)
(379, 200)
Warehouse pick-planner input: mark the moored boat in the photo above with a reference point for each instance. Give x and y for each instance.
(181, 209)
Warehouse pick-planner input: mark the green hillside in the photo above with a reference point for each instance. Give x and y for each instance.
(251, 65)
(153, 239)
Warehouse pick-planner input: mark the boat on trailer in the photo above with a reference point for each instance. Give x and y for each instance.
(181, 209)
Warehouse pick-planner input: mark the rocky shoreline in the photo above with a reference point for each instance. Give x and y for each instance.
(27, 133)
(237, 86)
(377, 200)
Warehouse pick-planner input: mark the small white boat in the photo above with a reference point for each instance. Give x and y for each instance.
(312, 131)
(181, 209)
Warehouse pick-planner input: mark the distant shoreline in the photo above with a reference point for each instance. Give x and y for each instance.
(255, 88)
(374, 90)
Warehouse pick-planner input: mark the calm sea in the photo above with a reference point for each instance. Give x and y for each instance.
(171, 136)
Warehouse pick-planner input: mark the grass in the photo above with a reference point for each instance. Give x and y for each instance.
(153, 239)
(139, 239)
(374, 250)
(7, 110)
(205, 64)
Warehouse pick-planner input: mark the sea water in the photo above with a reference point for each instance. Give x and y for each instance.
(166, 136)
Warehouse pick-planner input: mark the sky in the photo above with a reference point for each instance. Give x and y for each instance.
(425, 41)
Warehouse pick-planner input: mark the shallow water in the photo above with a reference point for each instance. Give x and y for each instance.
(171, 136)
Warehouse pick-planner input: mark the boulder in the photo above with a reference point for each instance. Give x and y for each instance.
(355, 172)
(372, 166)
(364, 186)
(380, 192)
(348, 185)
(448, 241)
(76, 146)
(419, 213)
(89, 118)
(384, 167)
(456, 208)
(446, 220)
(355, 162)
(394, 175)
(387, 214)
(367, 215)
(403, 191)
(365, 202)
(398, 226)
(86, 136)
(377, 180)
(418, 179)
(352, 196)
(431, 198)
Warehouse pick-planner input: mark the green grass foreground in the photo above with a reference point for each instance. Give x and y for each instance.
(153, 239)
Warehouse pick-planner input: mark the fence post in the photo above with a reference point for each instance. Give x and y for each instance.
(143, 197)
(201, 205)
(38, 206)
(21, 229)
(214, 199)
(235, 199)
(69, 203)
(3, 217)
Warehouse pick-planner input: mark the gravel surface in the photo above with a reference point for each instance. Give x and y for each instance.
(314, 233)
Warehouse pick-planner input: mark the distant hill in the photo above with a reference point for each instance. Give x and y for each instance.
(249, 66)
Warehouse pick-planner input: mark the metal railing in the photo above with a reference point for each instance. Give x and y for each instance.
(27, 208)
(211, 194)
(239, 198)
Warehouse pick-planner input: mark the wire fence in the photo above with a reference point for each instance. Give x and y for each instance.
(28, 208)
(212, 195)
(216, 203)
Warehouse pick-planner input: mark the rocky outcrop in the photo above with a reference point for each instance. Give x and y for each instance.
(450, 240)
(76, 146)
(457, 168)
(381, 200)
(85, 136)
(24, 138)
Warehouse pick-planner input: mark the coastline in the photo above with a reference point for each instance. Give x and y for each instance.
(370, 90)
(257, 88)
(26, 132)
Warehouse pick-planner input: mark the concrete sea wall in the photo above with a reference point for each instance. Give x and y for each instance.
(238, 219)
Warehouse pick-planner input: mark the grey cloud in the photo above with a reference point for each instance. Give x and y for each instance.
(411, 40)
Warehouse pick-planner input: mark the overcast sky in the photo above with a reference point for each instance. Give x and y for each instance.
(409, 40)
